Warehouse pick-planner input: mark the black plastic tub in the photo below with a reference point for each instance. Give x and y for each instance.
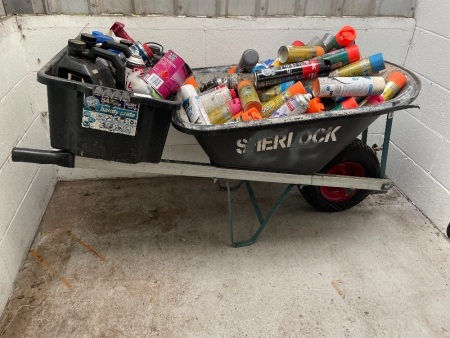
(134, 133)
(298, 144)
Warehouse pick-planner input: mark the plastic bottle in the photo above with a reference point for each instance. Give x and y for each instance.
(394, 83)
(348, 86)
(341, 57)
(193, 106)
(248, 60)
(297, 104)
(79, 65)
(217, 98)
(249, 97)
(348, 103)
(270, 106)
(270, 93)
(225, 112)
(364, 67)
(343, 38)
(297, 54)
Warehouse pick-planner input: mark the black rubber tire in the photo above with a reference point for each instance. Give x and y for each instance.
(357, 152)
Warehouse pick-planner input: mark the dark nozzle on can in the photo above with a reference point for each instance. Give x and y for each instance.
(248, 60)
(75, 47)
(316, 41)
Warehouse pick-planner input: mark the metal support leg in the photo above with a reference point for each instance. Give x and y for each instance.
(261, 219)
(387, 137)
(364, 136)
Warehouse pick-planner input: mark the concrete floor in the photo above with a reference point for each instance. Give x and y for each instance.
(152, 257)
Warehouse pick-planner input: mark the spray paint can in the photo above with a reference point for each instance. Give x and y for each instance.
(343, 38)
(297, 104)
(143, 51)
(248, 60)
(249, 97)
(364, 67)
(291, 72)
(230, 80)
(168, 75)
(262, 65)
(316, 41)
(133, 64)
(349, 103)
(217, 98)
(348, 86)
(270, 93)
(192, 81)
(394, 83)
(225, 112)
(270, 106)
(372, 101)
(193, 106)
(289, 54)
(341, 57)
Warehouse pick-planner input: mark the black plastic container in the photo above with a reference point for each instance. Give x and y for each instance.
(297, 144)
(66, 104)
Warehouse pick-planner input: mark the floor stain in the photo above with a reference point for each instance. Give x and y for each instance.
(86, 246)
(337, 284)
(49, 268)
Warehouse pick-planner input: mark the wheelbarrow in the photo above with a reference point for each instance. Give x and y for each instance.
(319, 153)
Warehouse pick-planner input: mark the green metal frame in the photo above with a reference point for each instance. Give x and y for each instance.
(263, 220)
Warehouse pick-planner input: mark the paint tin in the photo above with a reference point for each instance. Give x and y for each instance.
(168, 75)
(348, 86)
(274, 91)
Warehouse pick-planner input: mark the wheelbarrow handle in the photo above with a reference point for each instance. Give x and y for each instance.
(62, 158)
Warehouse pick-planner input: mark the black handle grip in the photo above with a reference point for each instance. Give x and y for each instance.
(62, 158)
(117, 46)
(117, 63)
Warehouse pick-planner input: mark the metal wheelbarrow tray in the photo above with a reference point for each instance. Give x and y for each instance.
(298, 144)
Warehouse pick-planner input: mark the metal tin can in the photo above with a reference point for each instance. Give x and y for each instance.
(134, 64)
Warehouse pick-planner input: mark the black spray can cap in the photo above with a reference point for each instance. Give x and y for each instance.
(89, 39)
(248, 60)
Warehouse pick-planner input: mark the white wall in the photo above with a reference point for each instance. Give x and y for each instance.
(25, 189)
(419, 158)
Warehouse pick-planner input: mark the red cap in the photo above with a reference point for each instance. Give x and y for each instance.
(345, 36)
(353, 53)
(117, 29)
(349, 103)
(297, 88)
(297, 43)
(250, 115)
(233, 93)
(398, 78)
(315, 106)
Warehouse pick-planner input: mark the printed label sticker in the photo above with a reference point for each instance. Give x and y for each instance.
(110, 110)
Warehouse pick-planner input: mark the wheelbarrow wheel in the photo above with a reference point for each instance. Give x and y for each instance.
(357, 159)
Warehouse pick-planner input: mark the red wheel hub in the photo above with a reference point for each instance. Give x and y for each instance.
(334, 194)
